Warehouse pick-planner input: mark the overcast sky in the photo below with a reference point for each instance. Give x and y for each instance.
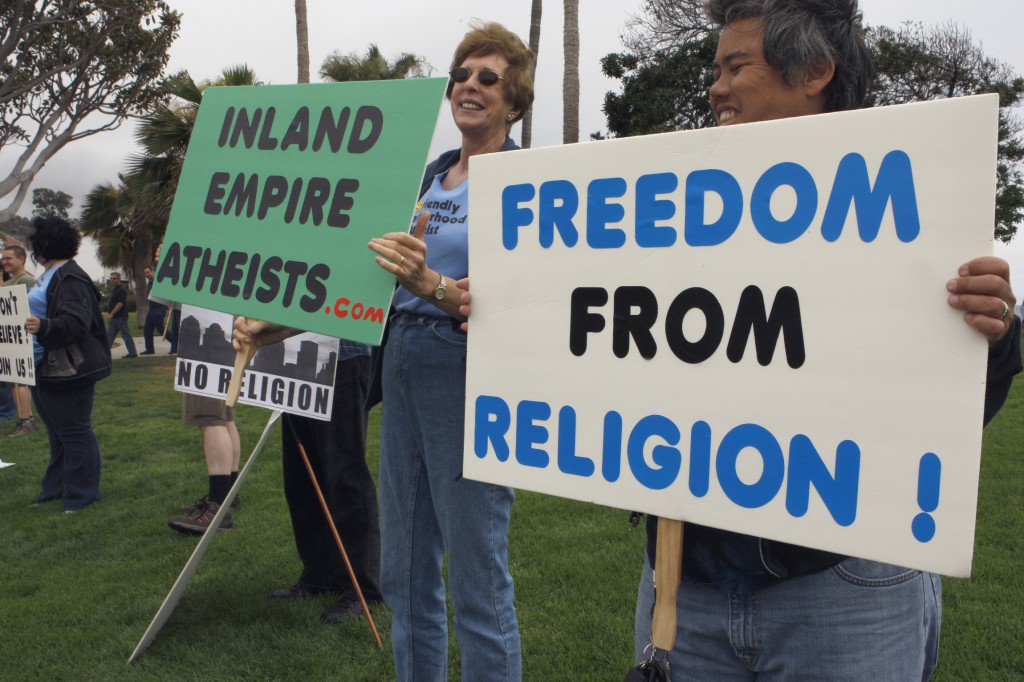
(261, 33)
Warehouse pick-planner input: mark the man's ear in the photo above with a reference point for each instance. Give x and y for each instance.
(818, 77)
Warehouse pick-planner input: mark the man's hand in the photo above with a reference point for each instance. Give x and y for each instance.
(982, 290)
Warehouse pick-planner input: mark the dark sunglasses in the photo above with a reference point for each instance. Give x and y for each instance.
(460, 74)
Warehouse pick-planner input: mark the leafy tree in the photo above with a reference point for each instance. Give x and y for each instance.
(73, 68)
(49, 202)
(373, 66)
(667, 75)
(915, 63)
(663, 92)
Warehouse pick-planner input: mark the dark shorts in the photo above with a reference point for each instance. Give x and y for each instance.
(200, 410)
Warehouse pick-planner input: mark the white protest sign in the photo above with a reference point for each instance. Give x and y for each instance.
(295, 376)
(744, 327)
(17, 364)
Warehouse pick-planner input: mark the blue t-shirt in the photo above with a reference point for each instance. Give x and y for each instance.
(447, 239)
(37, 305)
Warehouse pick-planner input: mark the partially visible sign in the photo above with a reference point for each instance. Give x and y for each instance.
(17, 363)
(295, 376)
(745, 327)
(282, 189)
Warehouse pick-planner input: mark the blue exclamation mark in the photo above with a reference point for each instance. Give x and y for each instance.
(929, 473)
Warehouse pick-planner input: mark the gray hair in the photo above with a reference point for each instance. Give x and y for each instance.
(798, 34)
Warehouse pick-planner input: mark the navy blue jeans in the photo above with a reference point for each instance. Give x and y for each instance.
(154, 324)
(73, 474)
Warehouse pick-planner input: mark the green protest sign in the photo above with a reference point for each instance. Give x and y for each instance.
(282, 188)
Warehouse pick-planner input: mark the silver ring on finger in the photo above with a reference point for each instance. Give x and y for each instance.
(1006, 311)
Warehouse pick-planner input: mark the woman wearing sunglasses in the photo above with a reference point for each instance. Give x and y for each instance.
(427, 508)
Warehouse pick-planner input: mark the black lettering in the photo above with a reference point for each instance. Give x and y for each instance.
(294, 268)
(210, 271)
(169, 264)
(184, 373)
(244, 127)
(233, 273)
(215, 193)
(357, 143)
(342, 201)
(626, 324)
(326, 128)
(223, 380)
(318, 191)
(317, 292)
(581, 320)
(298, 131)
(271, 282)
(191, 253)
(267, 143)
(694, 352)
(784, 319)
(293, 200)
(274, 192)
(225, 127)
(250, 279)
(243, 192)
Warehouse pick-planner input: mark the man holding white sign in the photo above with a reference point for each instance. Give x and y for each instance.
(751, 608)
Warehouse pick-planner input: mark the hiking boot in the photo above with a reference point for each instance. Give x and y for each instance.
(198, 522)
(24, 426)
(201, 503)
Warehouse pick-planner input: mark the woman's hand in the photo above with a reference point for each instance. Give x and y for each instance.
(32, 324)
(405, 257)
(465, 301)
(982, 290)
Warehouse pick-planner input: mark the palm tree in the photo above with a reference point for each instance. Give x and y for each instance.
(302, 40)
(129, 220)
(373, 66)
(571, 76)
(535, 12)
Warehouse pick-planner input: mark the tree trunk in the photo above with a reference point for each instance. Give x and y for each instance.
(535, 12)
(302, 39)
(571, 76)
(142, 256)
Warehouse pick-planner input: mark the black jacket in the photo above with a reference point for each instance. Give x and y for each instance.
(73, 317)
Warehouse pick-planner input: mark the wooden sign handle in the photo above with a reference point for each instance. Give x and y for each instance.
(667, 570)
(242, 359)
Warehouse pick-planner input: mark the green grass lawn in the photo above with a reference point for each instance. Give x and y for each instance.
(77, 592)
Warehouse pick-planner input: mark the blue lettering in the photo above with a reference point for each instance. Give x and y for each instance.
(611, 453)
(529, 434)
(558, 204)
(650, 209)
(667, 458)
(761, 492)
(492, 422)
(806, 468)
(568, 461)
(699, 183)
(895, 181)
(600, 213)
(700, 458)
(784, 231)
(513, 216)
